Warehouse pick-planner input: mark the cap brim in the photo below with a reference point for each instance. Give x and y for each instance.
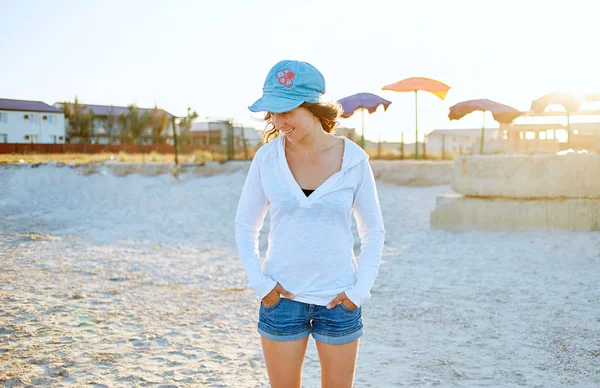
(274, 104)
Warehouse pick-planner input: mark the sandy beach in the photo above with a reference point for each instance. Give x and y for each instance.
(134, 281)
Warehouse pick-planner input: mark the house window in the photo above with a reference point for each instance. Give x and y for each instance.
(31, 118)
(3, 138)
(50, 119)
(33, 138)
(3, 117)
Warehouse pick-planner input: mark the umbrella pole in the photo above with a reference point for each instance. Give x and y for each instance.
(402, 147)
(362, 139)
(568, 131)
(416, 127)
(482, 134)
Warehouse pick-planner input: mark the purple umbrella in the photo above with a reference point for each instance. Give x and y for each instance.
(502, 113)
(362, 101)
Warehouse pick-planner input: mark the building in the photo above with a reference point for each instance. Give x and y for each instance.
(107, 129)
(215, 133)
(553, 136)
(447, 143)
(23, 121)
(350, 133)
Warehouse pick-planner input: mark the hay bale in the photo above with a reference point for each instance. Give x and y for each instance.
(412, 173)
(455, 212)
(521, 176)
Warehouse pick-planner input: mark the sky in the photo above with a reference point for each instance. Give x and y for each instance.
(213, 56)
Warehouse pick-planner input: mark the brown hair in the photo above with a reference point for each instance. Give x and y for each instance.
(327, 113)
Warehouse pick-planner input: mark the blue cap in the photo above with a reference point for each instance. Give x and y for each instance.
(288, 85)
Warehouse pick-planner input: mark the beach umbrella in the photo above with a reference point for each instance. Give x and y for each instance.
(569, 101)
(502, 113)
(363, 101)
(416, 84)
(591, 97)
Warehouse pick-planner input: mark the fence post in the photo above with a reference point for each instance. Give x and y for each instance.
(244, 143)
(402, 147)
(230, 140)
(175, 143)
(443, 147)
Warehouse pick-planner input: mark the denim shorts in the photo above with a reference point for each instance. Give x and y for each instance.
(288, 320)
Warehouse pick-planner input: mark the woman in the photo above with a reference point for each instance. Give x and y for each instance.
(312, 182)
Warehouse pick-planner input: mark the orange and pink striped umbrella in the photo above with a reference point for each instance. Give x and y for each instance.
(416, 84)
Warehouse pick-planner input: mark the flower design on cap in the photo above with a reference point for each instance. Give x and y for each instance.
(286, 77)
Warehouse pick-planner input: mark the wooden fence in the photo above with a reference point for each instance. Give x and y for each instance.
(29, 148)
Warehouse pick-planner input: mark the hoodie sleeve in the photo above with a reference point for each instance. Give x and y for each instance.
(371, 231)
(249, 218)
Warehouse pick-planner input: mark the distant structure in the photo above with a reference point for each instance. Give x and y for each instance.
(524, 137)
(23, 121)
(448, 143)
(528, 135)
(107, 129)
(216, 132)
(350, 133)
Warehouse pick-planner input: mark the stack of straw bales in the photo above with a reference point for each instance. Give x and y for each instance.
(517, 192)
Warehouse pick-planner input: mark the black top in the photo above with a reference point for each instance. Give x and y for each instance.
(307, 192)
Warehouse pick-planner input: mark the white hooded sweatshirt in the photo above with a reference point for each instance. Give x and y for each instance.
(310, 244)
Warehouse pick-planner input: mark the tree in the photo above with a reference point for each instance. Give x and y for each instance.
(80, 124)
(111, 123)
(133, 124)
(159, 121)
(185, 123)
(124, 137)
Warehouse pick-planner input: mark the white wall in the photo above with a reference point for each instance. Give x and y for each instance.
(40, 131)
(453, 142)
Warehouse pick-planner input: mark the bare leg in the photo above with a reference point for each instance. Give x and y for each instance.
(338, 363)
(284, 361)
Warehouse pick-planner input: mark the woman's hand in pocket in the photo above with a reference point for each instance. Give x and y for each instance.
(272, 297)
(344, 300)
